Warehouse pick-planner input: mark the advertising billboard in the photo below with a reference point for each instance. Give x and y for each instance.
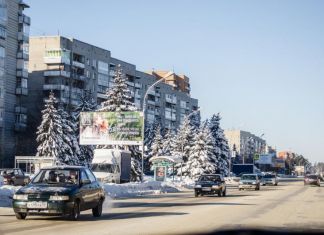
(111, 128)
(265, 159)
(160, 173)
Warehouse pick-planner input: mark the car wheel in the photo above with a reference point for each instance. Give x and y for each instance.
(240, 189)
(219, 193)
(75, 211)
(196, 194)
(21, 216)
(97, 211)
(224, 193)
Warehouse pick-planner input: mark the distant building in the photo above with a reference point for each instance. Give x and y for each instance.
(69, 67)
(14, 38)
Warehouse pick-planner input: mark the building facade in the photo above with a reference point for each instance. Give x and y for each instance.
(69, 67)
(244, 143)
(14, 39)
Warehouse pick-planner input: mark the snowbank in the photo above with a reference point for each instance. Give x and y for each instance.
(139, 189)
(6, 193)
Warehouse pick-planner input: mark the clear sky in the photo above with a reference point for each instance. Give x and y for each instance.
(259, 63)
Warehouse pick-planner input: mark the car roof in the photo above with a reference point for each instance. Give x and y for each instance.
(63, 168)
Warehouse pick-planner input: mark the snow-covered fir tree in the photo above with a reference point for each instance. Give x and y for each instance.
(201, 158)
(167, 143)
(150, 129)
(221, 148)
(118, 97)
(72, 151)
(157, 144)
(120, 100)
(86, 104)
(50, 139)
(195, 119)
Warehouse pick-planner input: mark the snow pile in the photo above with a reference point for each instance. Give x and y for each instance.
(139, 189)
(6, 194)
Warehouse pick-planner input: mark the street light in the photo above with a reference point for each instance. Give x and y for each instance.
(144, 107)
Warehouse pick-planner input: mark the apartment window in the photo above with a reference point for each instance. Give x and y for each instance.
(94, 63)
(88, 61)
(1, 114)
(3, 32)
(103, 67)
(21, 118)
(88, 74)
(24, 47)
(3, 12)
(24, 83)
(2, 57)
(103, 79)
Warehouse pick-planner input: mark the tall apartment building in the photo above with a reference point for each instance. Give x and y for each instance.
(240, 139)
(68, 67)
(14, 36)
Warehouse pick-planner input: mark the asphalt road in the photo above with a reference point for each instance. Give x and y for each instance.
(289, 206)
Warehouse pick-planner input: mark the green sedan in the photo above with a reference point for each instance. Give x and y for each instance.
(61, 190)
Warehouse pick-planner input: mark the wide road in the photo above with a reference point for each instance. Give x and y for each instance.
(289, 206)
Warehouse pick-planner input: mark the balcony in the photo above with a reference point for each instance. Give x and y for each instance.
(151, 92)
(132, 84)
(21, 91)
(23, 19)
(22, 73)
(112, 73)
(20, 109)
(56, 60)
(20, 126)
(138, 85)
(22, 55)
(79, 77)
(171, 100)
(152, 102)
(57, 73)
(78, 64)
(50, 87)
(23, 37)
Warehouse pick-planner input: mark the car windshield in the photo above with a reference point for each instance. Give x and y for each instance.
(104, 167)
(213, 178)
(312, 176)
(248, 177)
(269, 176)
(57, 176)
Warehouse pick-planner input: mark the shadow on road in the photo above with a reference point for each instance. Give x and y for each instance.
(110, 216)
(175, 204)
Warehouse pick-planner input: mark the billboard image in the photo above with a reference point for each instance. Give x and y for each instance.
(111, 128)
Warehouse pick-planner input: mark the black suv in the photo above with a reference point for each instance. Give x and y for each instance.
(210, 184)
(61, 190)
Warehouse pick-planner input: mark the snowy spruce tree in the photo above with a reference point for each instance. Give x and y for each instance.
(221, 148)
(50, 134)
(167, 143)
(118, 97)
(86, 104)
(201, 158)
(120, 100)
(157, 144)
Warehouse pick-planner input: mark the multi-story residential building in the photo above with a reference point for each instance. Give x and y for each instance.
(244, 142)
(14, 37)
(68, 67)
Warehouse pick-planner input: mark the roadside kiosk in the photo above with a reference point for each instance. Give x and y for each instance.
(162, 164)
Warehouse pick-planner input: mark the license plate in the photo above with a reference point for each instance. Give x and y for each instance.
(206, 189)
(37, 205)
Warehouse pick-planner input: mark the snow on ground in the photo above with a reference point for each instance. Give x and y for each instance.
(6, 193)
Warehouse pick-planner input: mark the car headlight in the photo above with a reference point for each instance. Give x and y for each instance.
(59, 198)
(22, 197)
(215, 186)
(240, 182)
(197, 186)
(253, 182)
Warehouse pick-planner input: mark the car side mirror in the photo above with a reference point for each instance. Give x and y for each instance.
(86, 181)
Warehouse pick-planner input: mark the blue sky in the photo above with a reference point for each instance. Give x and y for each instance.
(258, 63)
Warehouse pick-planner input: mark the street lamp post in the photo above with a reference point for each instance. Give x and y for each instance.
(144, 109)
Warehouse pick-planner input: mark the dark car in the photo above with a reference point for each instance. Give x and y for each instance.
(62, 190)
(312, 180)
(210, 184)
(14, 176)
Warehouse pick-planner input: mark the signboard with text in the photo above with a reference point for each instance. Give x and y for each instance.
(111, 128)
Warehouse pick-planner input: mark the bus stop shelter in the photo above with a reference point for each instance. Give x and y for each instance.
(161, 165)
(32, 164)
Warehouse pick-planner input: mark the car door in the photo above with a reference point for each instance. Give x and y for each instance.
(85, 191)
(18, 177)
(94, 189)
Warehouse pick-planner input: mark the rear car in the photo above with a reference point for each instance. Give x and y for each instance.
(312, 180)
(249, 181)
(63, 190)
(14, 176)
(210, 184)
(270, 179)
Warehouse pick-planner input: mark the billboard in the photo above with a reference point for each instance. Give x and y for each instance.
(279, 163)
(265, 159)
(111, 128)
